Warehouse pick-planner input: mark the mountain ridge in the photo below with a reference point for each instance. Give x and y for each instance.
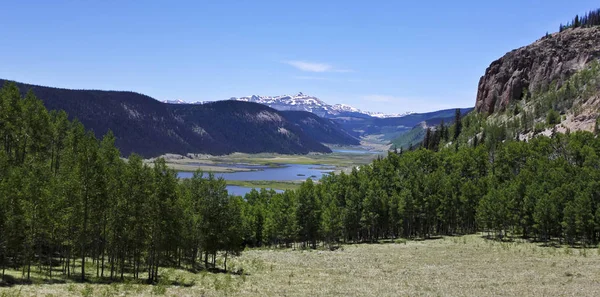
(550, 86)
(531, 69)
(150, 128)
(299, 102)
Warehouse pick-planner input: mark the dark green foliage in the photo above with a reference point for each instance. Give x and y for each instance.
(590, 19)
(553, 117)
(68, 199)
(457, 124)
(417, 134)
(308, 213)
(544, 189)
(427, 138)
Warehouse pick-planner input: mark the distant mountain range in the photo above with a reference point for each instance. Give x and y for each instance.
(150, 128)
(301, 102)
(282, 124)
(388, 129)
(379, 127)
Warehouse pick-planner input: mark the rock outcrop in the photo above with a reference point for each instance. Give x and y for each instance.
(533, 68)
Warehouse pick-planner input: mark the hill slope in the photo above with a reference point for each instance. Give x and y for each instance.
(388, 129)
(536, 68)
(321, 129)
(150, 128)
(551, 85)
(416, 135)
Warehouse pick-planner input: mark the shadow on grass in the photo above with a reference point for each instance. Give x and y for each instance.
(498, 238)
(164, 279)
(546, 243)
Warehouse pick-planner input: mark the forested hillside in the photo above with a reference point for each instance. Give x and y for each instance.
(389, 129)
(66, 196)
(321, 129)
(246, 127)
(423, 131)
(150, 128)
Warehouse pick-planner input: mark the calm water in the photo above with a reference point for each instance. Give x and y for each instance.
(286, 172)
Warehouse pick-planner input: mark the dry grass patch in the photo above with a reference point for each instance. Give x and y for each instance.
(458, 266)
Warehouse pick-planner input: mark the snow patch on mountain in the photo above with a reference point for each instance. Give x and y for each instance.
(309, 103)
(300, 102)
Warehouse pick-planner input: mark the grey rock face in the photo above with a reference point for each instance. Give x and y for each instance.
(534, 67)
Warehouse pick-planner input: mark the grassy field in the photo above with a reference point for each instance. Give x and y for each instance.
(453, 266)
(340, 160)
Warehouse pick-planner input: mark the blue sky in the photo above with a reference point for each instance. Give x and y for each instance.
(389, 56)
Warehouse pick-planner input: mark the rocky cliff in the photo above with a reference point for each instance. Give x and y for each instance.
(531, 69)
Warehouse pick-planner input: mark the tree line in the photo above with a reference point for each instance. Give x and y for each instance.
(69, 200)
(545, 189)
(590, 19)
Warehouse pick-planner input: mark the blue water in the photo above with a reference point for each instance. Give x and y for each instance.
(284, 173)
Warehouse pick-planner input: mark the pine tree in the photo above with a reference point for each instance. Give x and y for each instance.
(308, 215)
(427, 139)
(457, 124)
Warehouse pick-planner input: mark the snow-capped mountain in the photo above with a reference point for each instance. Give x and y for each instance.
(308, 103)
(301, 102)
(178, 101)
(388, 115)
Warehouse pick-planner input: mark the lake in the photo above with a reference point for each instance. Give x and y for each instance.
(284, 172)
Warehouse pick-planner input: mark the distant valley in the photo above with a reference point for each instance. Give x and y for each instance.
(286, 124)
(401, 130)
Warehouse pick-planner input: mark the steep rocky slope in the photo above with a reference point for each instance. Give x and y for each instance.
(551, 86)
(531, 69)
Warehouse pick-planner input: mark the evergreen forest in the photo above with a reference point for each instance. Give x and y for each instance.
(69, 201)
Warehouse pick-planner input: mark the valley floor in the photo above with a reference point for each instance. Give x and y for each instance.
(208, 163)
(452, 266)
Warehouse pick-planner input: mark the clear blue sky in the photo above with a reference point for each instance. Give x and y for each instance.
(389, 56)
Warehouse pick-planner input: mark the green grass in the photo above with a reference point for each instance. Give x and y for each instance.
(335, 159)
(452, 266)
(267, 184)
(339, 160)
